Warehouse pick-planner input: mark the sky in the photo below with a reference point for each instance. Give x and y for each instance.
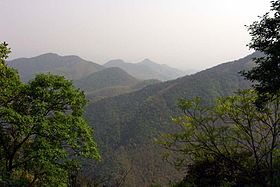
(187, 34)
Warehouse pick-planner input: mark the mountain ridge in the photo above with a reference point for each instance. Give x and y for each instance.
(70, 66)
(125, 125)
(97, 81)
(106, 78)
(146, 69)
(128, 123)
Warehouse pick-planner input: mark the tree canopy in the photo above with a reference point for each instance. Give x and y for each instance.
(266, 38)
(236, 141)
(43, 134)
(231, 143)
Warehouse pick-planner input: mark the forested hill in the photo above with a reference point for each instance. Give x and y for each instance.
(72, 67)
(97, 81)
(147, 69)
(126, 125)
(108, 77)
(110, 82)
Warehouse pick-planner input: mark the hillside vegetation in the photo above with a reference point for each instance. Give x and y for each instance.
(97, 81)
(126, 125)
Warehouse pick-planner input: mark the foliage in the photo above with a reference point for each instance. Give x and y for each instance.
(133, 121)
(232, 142)
(43, 132)
(266, 38)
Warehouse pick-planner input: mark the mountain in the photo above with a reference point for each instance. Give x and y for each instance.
(190, 71)
(108, 77)
(118, 90)
(97, 81)
(126, 125)
(110, 82)
(147, 69)
(72, 67)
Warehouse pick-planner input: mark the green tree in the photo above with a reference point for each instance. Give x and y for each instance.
(43, 134)
(266, 38)
(232, 143)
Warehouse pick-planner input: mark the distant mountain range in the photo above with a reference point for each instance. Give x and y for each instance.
(132, 113)
(110, 82)
(72, 67)
(108, 77)
(96, 80)
(126, 125)
(147, 69)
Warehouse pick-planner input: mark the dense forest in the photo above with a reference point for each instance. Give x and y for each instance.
(65, 121)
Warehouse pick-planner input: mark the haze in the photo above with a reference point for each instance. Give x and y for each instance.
(189, 34)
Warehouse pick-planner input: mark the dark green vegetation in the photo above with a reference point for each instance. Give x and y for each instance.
(147, 69)
(126, 125)
(232, 143)
(266, 38)
(236, 142)
(228, 142)
(43, 134)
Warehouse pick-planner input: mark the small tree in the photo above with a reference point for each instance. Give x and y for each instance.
(43, 133)
(232, 142)
(266, 38)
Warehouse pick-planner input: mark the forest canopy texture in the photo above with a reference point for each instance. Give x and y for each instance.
(232, 142)
(236, 141)
(265, 35)
(43, 133)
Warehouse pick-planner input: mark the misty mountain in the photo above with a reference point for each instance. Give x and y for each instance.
(147, 69)
(110, 82)
(108, 77)
(118, 90)
(97, 81)
(72, 67)
(126, 125)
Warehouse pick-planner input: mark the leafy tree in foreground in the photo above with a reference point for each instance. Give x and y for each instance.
(42, 130)
(236, 142)
(230, 144)
(266, 38)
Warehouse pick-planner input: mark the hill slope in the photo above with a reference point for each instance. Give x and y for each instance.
(147, 69)
(110, 82)
(118, 90)
(108, 77)
(126, 125)
(98, 81)
(72, 67)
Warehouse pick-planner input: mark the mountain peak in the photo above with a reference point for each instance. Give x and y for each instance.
(56, 56)
(71, 66)
(114, 63)
(47, 55)
(147, 61)
(146, 69)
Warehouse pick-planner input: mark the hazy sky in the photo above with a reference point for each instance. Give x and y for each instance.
(191, 34)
